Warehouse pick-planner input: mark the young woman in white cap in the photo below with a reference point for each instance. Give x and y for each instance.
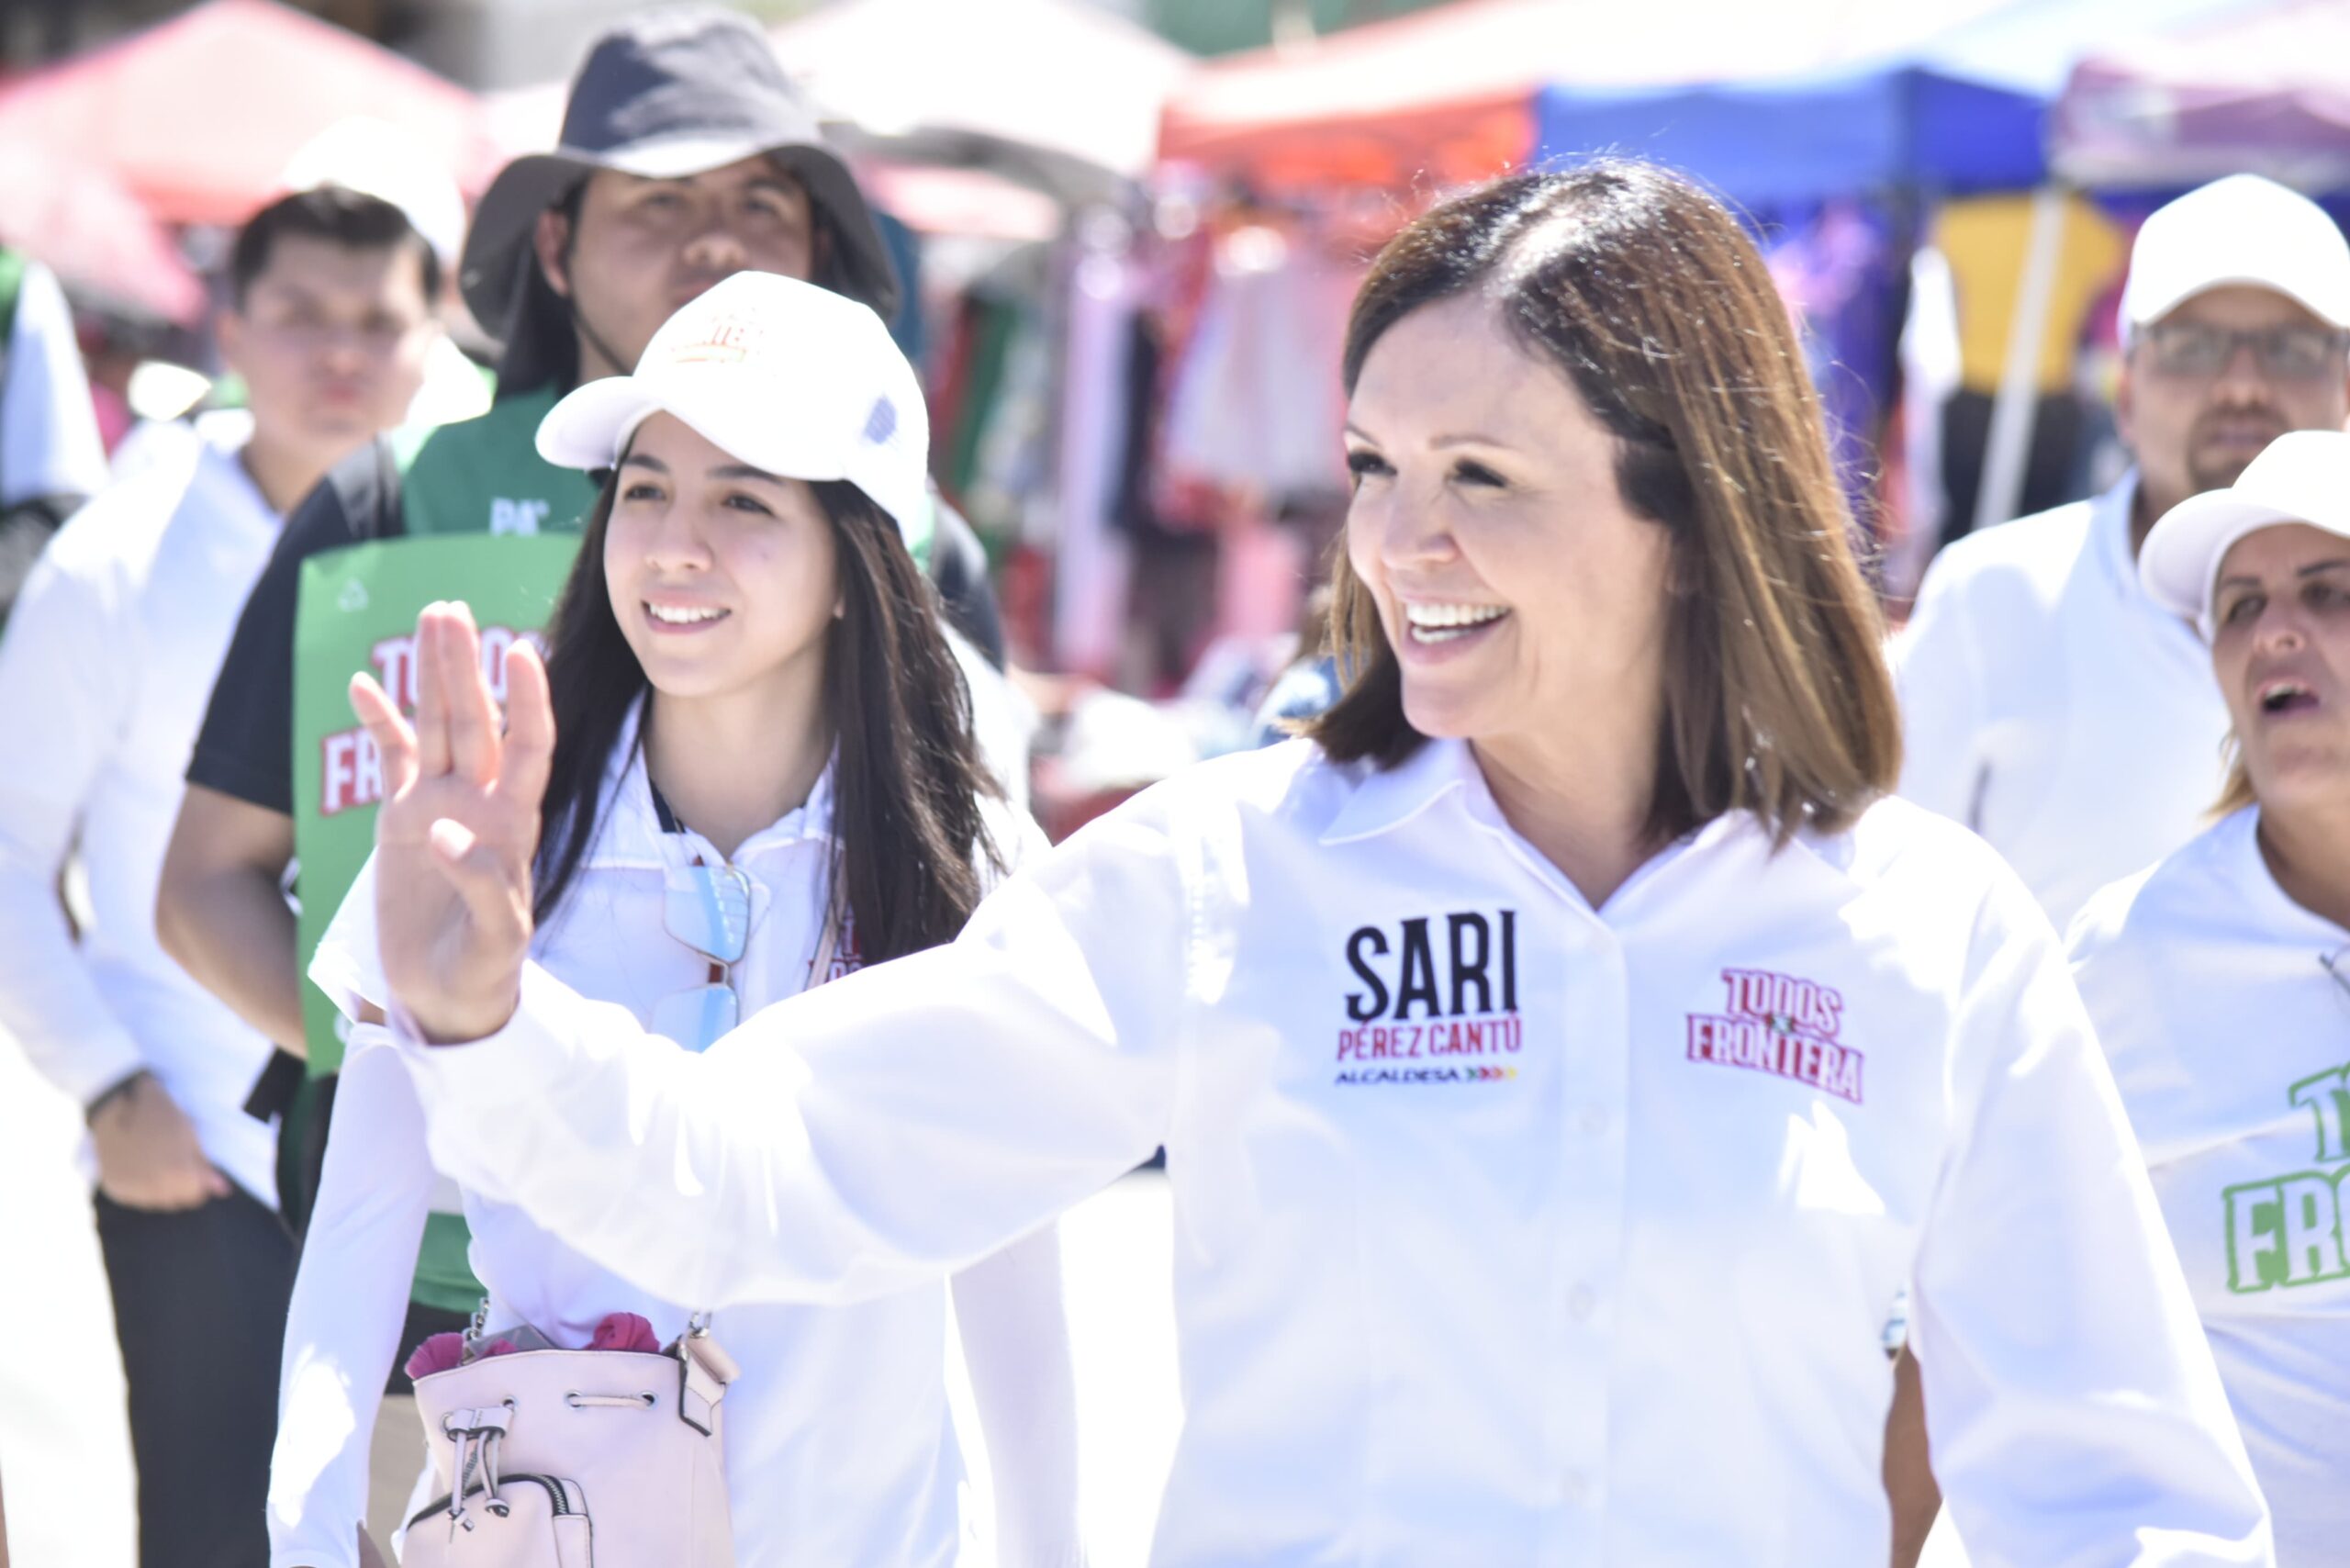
(766, 778)
(1564, 1055)
(2219, 979)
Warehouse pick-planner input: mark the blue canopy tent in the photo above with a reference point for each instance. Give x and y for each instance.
(1963, 113)
(1808, 139)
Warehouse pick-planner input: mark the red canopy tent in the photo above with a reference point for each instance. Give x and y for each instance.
(199, 116)
(93, 234)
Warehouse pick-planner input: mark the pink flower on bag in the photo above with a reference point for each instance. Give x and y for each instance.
(624, 1331)
(437, 1354)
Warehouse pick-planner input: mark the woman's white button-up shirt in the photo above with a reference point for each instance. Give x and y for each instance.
(1508, 1230)
(839, 1446)
(2225, 1009)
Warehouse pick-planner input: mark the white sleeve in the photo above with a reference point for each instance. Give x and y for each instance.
(2112, 975)
(49, 427)
(342, 1327)
(871, 1135)
(1014, 1327)
(2073, 1408)
(347, 967)
(1938, 674)
(66, 669)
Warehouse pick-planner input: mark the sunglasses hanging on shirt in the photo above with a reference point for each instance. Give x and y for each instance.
(708, 908)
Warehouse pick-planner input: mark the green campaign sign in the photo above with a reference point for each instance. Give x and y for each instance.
(358, 612)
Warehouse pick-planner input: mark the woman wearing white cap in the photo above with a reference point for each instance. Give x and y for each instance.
(766, 778)
(2219, 979)
(1564, 1055)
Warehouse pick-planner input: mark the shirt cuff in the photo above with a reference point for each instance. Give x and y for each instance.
(93, 1064)
(537, 1047)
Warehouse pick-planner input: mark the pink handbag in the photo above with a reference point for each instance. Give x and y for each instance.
(577, 1458)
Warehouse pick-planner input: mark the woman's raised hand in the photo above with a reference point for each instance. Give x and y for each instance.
(459, 827)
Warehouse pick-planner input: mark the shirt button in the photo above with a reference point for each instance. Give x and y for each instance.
(1582, 1301)
(1591, 1122)
(1577, 1488)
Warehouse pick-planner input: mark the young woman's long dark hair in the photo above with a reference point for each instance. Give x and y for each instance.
(906, 788)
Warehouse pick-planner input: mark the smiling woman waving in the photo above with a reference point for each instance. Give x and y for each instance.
(1564, 1054)
(764, 779)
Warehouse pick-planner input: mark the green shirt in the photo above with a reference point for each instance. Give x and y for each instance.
(484, 475)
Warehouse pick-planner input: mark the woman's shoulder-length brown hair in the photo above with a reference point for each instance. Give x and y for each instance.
(1651, 298)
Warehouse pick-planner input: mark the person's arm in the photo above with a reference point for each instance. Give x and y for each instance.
(2076, 1415)
(343, 1326)
(1014, 1327)
(1909, 1468)
(1938, 672)
(65, 684)
(220, 910)
(880, 1132)
(66, 675)
(883, 1131)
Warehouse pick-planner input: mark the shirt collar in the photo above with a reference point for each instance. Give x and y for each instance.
(2248, 869)
(1387, 798)
(228, 487)
(629, 835)
(2109, 519)
(2109, 526)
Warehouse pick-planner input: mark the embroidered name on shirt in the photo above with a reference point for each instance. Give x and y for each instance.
(1433, 990)
(2290, 1230)
(1781, 1025)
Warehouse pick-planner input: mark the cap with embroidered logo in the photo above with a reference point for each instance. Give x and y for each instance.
(781, 374)
(2302, 477)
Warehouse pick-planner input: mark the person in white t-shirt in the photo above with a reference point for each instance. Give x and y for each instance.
(2047, 702)
(2219, 979)
(769, 779)
(1564, 1054)
(105, 670)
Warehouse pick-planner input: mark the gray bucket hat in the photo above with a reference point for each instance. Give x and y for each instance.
(664, 95)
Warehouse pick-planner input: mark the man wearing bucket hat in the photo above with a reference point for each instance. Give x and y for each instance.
(2219, 979)
(2049, 702)
(685, 156)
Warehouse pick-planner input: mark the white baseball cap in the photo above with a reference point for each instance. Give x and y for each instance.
(2242, 229)
(2303, 476)
(377, 159)
(788, 377)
